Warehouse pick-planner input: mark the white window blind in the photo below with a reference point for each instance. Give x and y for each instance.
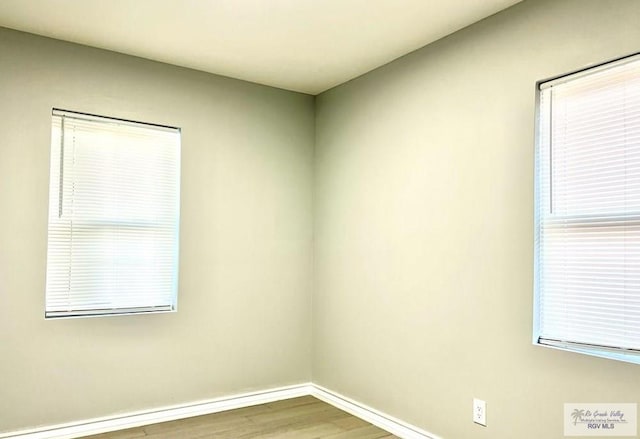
(113, 216)
(588, 211)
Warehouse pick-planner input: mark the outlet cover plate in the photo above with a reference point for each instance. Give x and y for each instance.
(479, 412)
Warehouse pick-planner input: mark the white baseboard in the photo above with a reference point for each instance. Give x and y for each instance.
(375, 417)
(137, 419)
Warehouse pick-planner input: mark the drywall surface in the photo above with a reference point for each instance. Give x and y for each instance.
(243, 320)
(424, 228)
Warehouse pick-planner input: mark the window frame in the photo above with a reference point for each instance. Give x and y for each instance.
(619, 354)
(57, 162)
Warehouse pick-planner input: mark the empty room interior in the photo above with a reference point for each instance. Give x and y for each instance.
(365, 228)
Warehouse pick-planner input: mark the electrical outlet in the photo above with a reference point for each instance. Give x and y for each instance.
(479, 412)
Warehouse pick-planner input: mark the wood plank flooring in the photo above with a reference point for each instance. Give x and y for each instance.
(297, 418)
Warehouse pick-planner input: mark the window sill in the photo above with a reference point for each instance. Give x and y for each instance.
(627, 357)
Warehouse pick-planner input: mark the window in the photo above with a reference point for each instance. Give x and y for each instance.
(587, 243)
(113, 216)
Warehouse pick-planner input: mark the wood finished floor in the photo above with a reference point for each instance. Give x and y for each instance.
(297, 418)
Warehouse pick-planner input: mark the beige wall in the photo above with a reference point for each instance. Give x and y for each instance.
(246, 239)
(424, 228)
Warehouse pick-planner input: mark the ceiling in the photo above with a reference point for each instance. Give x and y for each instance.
(302, 45)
